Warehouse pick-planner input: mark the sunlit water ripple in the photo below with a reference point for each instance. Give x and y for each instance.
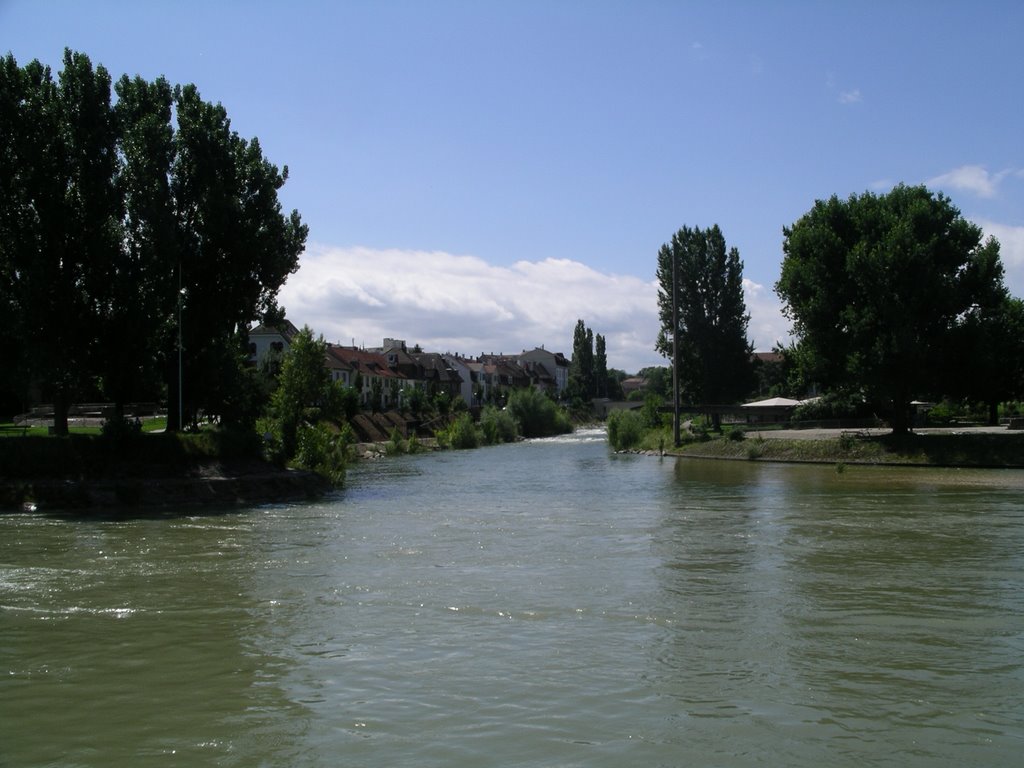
(539, 604)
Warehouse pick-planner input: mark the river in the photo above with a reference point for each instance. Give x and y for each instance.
(546, 603)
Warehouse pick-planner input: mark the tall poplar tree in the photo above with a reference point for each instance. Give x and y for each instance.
(60, 227)
(138, 322)
(581, 367)
(600, 367)
(715, 364)
(236, 247)
(105, 210)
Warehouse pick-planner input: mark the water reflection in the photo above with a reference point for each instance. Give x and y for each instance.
(851, 620)
(544, 603)
(899, 587)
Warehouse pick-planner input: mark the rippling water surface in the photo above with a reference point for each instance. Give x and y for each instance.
(539, 604)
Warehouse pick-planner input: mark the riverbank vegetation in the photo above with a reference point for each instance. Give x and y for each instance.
(898, 298)
(297, 417)
(141, 239)
(897, 302)
(628, 432)
(941, 450)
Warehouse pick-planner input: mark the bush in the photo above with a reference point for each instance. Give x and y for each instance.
(462, 433)
(269, 431)
(948, 411)
(416, 401)
(322, 451)
(651, 411)
(395, 445)
(497, 426)
(120, 428)
(536, 414)
(756, 449)
(625, 429)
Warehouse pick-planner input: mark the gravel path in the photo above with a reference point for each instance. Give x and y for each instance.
(823, 434)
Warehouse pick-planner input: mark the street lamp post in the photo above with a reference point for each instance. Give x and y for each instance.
(181, 296)
(675, 352)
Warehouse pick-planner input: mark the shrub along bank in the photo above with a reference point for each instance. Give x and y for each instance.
(125, 467)
(529, 413)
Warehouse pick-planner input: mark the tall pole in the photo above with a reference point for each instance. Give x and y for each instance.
(181, 414)
(675, 351)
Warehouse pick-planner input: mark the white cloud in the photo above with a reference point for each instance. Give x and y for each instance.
(851, 97)
(970, 178)
(767, 325)
(462, 304)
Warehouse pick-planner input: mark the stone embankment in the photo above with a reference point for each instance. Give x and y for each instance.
(212, 486)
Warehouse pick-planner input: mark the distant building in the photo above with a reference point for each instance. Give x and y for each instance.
(549, 370)
(265, 340)
(633, 384)
(368, 369)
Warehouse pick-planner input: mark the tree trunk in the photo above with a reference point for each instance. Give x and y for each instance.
(993, 414)
(61, 406)
(171, 378)
(900, 418)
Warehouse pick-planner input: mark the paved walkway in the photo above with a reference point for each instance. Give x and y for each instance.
(819, 434)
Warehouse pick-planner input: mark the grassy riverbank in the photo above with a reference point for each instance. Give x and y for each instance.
(939, 450)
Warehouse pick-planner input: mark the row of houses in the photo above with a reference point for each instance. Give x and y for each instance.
(393, 370)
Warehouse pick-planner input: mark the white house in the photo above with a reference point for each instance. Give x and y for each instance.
(460, 366)
(265, 339)
(554, 364)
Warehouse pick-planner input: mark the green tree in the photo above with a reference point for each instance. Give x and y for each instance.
(987, 355)
(714, 353)
(875, 286)
(236, 248)
(104, 211)
(137, 323)
(615, 378)
(60, 221)
(658, 378)
(376, 395)
(416, 401)
(581, 367)
(15, 204)
(600, 367)
(303, 387)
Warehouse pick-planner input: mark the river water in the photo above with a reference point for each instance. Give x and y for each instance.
(539, 604)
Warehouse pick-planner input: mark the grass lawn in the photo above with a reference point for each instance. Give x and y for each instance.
(9, 429)
(980, 450)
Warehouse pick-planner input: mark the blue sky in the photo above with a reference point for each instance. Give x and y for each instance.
(478, 175)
